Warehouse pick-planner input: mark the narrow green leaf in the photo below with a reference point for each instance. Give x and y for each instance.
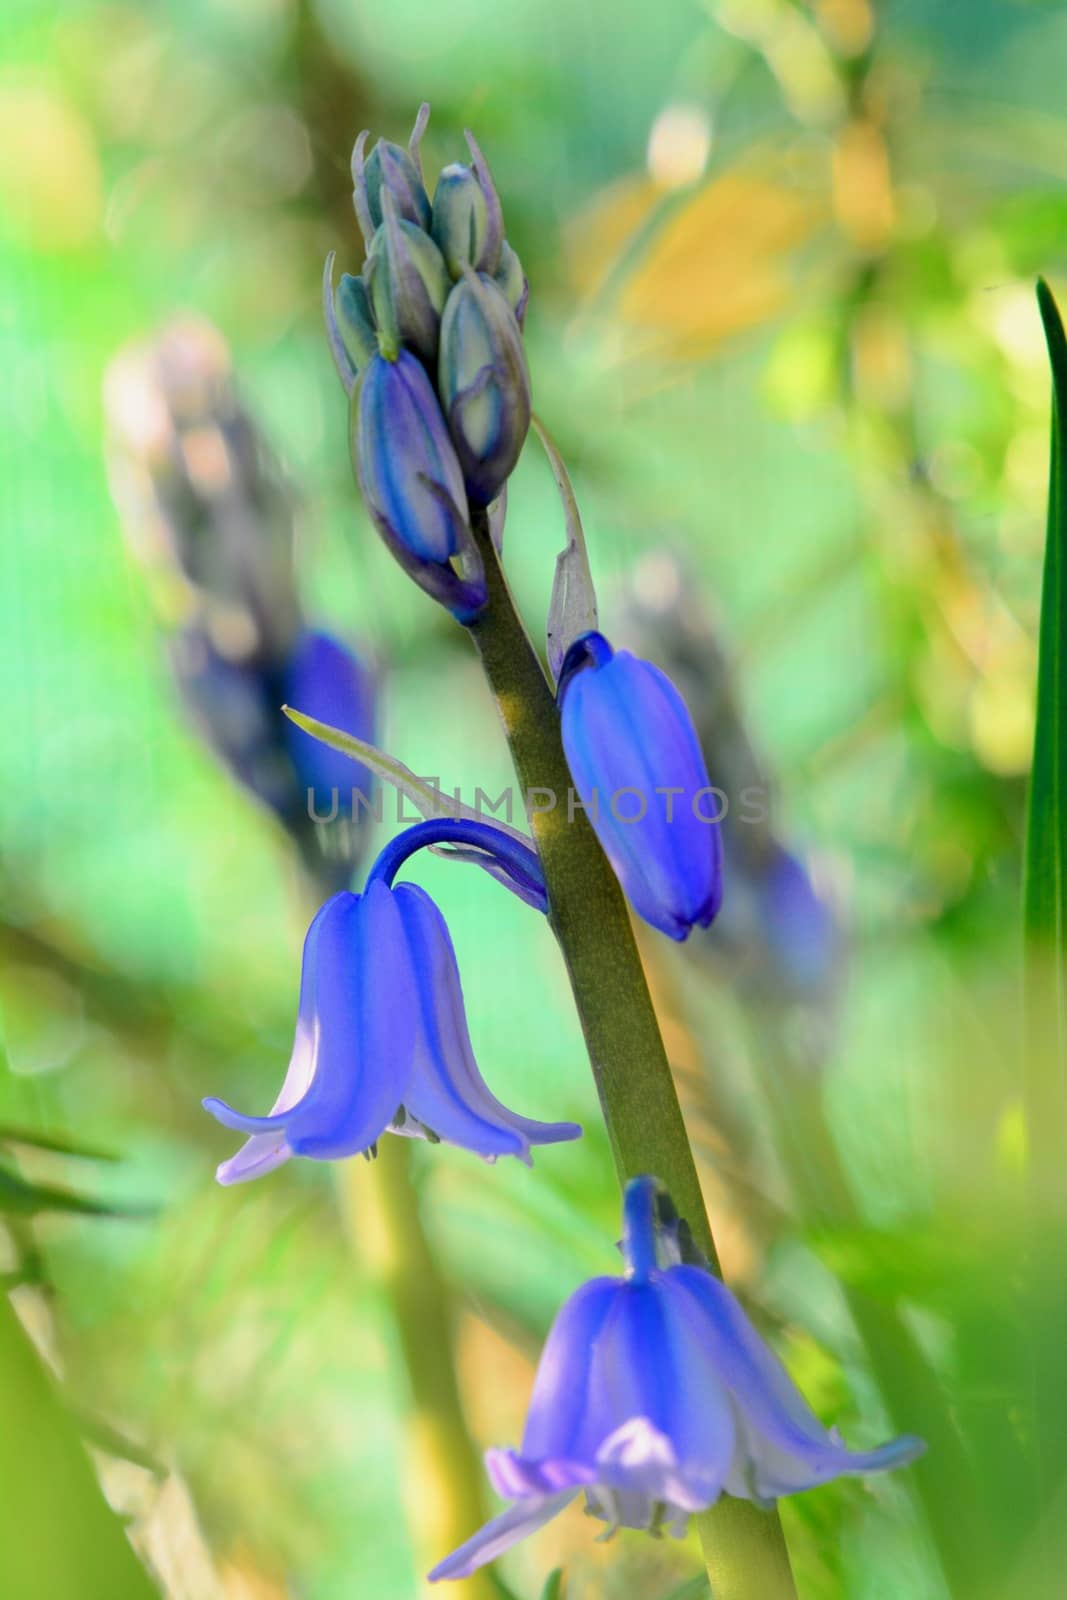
(54, 1141)
(1045, 1054)
(427, 798)
(59, 1539)
(1045, 889)
(553, 1589)
(693, 1589)
(19, 1198)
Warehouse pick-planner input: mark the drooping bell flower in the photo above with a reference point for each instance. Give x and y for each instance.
(381, 1045)
(640, 774)
(655, 1395)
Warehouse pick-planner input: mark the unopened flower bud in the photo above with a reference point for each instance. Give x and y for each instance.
(461, 222)
(512, 282)
(408, 283)
(388, 167)
(407, 467)
(484, 384)
(355, 320)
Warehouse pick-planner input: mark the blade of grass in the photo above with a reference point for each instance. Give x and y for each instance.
(1045, 985)
(59, 1540)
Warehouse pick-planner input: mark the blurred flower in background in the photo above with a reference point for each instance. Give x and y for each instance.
(206, 512)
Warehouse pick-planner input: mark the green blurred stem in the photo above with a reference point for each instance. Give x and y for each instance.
(744, 1547)
(445, 1497)
(59, 1539)
(914, 1396)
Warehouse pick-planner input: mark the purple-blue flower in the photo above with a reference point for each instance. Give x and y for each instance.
(638, 769)
(329, 683)
(408, 471)
(655, 1395)
(381, 1045)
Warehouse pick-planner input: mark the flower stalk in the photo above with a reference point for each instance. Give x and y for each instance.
(744, 1548)
(444, 1482)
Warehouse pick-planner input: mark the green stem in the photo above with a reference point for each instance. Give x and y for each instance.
(744, 1547)
(445, 1497)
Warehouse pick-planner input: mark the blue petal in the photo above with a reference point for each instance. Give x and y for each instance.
(783, 1446)
(365, 995)
(499, 1535)
(447, 1092)
(649, 1365)
(625, 727)
(355, 1035)
(556, 1415)
(407, 465)
(327, 682)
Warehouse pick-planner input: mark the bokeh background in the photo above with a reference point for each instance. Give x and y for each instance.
(782, 326)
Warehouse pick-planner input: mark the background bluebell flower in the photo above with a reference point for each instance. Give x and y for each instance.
(655, 1395)
(327, 682)
(381, 1045)
(628, 737)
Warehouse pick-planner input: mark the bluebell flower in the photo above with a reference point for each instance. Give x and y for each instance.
(640, 774)
(391, 168)
(655, 1395)
(329, 683)
(484, 384)
(798, 927)
(408, 471)
(408, 284)
(381, 1046)
(460, 223)
(512, 282)
(353, 316)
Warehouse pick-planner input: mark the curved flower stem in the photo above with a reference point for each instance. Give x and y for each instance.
(522, 864)
(744, 1548)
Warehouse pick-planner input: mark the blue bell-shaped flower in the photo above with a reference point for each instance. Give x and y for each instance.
(655, 1395)
(640, 774)
(381, 1045)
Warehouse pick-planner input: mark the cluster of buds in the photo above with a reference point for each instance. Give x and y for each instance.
(208, 515)
(428, 343)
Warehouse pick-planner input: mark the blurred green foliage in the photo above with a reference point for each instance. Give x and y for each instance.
(789, 332)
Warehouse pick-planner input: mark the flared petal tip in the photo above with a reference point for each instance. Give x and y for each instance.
(238, 1121)
(897, 1453)
(555, 1133)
